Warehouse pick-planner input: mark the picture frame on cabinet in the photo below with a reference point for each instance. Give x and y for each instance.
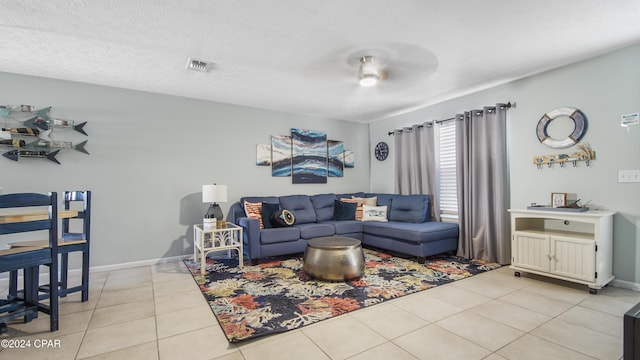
(558, 199)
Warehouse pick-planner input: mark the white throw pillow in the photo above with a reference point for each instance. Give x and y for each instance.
(374, 213)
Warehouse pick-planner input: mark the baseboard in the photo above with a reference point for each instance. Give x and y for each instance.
(4, 282)
(626, 285)
(135, 264)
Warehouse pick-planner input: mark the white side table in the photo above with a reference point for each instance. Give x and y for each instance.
(207, 241)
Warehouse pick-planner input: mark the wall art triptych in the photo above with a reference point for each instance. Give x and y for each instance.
(306, 156)
(309, 156)
(281, 155)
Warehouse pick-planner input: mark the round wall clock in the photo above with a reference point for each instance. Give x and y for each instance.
(580, 127)
(382, 151)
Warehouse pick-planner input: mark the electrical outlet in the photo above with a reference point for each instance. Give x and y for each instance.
(628, 176)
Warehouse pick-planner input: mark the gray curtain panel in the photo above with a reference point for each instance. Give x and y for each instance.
(483, 189)
(415, 163)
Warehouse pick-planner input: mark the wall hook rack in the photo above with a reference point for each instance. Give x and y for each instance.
(563, 159)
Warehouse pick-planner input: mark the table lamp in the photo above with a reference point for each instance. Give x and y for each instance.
(213, 194)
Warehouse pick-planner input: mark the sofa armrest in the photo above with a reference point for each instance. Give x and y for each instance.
(251, 237)
(235, 212)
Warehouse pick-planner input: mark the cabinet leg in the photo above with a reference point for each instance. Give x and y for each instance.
(516, 274)
(593, 291)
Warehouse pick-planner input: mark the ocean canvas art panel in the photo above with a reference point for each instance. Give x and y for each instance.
(349, 159)
(263, 155)
(309, 156)
(280, 155)
(335, 151)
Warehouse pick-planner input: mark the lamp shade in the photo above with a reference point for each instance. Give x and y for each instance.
(214, 193)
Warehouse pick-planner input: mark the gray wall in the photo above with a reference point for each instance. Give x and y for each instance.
(604, 88)
(150, 156)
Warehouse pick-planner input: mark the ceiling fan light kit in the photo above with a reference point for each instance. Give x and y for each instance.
(368, 73)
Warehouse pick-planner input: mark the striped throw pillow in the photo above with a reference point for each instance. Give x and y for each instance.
(254, 210)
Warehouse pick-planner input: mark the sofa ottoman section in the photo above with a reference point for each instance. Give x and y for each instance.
(412, 232)
(417, 239)
(419, 250)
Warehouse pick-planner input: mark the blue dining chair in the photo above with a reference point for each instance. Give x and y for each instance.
(29, 258)
(74, 238)
(75, 241)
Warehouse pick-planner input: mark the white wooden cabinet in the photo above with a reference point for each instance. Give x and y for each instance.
(572, 246)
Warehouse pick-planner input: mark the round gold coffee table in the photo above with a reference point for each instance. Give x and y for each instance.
(334, 258)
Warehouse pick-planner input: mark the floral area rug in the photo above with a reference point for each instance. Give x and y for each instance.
(276, 295)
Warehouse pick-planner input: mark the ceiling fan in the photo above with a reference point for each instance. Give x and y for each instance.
(391, 66)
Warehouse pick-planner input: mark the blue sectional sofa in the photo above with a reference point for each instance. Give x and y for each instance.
(407, 230)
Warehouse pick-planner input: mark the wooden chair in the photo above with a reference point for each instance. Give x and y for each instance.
(70, 241)
(76, 241)
(29, 258)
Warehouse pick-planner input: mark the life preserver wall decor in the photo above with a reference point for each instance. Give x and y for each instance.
(585, 154)
(579, 120)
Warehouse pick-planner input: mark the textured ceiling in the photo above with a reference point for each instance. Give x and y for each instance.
(301, 56)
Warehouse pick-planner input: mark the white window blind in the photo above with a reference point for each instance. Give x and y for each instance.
(447, 168)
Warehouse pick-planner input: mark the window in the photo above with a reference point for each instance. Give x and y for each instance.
(446, 163)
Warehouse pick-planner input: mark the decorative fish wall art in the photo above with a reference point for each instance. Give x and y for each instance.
(44, 121)
(40, 145)
(16, 154)
(37, 122)
(13, 143)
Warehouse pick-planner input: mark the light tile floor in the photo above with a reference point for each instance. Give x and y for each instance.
(158, 312)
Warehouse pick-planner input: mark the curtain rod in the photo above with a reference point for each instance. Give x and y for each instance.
(508, 105)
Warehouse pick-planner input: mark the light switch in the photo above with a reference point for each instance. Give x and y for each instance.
(628, 176)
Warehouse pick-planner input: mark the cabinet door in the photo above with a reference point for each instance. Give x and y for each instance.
(530, 250)
(573, 257)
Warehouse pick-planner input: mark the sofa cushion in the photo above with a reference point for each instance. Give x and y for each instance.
(344, 210)
(346, 226)
(300, 206)
(313, 230)
(323, 206)
(410, 208)
(411, 232)
(267, 211)
(374, 213)
(383, 199)
(279, 235)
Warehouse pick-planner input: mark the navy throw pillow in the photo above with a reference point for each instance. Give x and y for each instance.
(267, 210)
(344, 210)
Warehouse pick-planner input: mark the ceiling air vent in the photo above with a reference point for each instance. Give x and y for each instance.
(197, 65)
